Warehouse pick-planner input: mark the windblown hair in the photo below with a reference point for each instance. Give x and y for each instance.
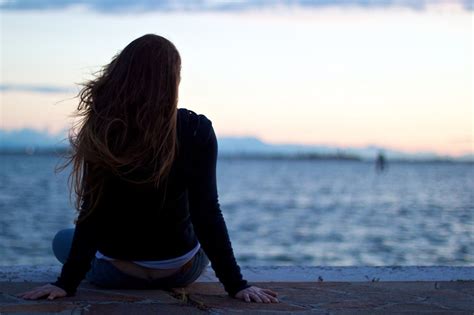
(127, 120)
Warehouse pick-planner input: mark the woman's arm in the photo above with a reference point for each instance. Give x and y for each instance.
(209, 223)
(83, 247)
(82, 251)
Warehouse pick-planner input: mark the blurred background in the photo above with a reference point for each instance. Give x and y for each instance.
(345, 128)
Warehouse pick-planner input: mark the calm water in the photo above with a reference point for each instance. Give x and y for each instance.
(282, 212)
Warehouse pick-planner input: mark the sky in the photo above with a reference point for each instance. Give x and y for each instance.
(397, 74)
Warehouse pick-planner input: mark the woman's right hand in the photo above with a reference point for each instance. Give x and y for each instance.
(50, 290)
(257, 294)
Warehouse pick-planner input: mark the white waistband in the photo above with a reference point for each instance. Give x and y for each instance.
(160, 264)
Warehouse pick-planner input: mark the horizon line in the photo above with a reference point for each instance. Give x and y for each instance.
(63, 143)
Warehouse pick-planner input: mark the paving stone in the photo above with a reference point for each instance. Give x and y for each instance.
(450, 299)
(461, 286)
(420, 297)
(268, 312)
(313, 295)
(415, 307)
(383, 293)
(213, 296)
(226, 303)
(8, 299)
(403, 312)
(40, 308)
(208, 288)
(444, 294)
(155, 296)
(141, 309)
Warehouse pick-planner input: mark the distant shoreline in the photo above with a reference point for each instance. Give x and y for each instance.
(323, 157)
(61, 152)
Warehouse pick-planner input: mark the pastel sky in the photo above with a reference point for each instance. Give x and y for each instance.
(397, 76)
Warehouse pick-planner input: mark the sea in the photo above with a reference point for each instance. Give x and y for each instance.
(281, 212)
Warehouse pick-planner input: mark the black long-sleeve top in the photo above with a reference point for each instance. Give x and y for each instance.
(132, 222)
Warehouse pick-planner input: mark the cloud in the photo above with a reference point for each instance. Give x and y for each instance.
(117, 6)
(43, 89)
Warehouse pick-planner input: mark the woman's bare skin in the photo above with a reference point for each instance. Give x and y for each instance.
(138, 271)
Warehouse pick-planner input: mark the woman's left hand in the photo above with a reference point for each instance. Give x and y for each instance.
(257, 294)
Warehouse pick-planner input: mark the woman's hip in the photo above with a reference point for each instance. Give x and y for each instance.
(114, 275)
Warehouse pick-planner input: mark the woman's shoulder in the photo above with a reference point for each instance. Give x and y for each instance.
(194, 125)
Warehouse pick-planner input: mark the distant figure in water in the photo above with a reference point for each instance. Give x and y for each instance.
(144, 175)
(380, 162)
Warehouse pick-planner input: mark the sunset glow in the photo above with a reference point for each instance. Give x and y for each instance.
(394, 77)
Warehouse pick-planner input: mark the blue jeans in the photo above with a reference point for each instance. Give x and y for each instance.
(104, 274)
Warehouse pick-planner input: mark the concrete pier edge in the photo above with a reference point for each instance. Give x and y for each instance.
(301, 290)
(46, 273)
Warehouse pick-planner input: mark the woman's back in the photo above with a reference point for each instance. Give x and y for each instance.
(141, 222)
(129, 224)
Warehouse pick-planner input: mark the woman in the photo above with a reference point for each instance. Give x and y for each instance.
(145, 177)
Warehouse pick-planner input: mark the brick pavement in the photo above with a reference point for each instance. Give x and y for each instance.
(405, 297)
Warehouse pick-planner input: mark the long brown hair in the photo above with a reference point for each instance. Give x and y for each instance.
(127, 120)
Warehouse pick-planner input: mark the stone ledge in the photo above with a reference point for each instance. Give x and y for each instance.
(301, 290)
(415, 297)
(48, 273)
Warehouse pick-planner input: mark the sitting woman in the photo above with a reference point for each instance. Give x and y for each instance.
(144, 173)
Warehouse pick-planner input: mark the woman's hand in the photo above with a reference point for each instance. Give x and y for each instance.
(258, 295)
(50, 290)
